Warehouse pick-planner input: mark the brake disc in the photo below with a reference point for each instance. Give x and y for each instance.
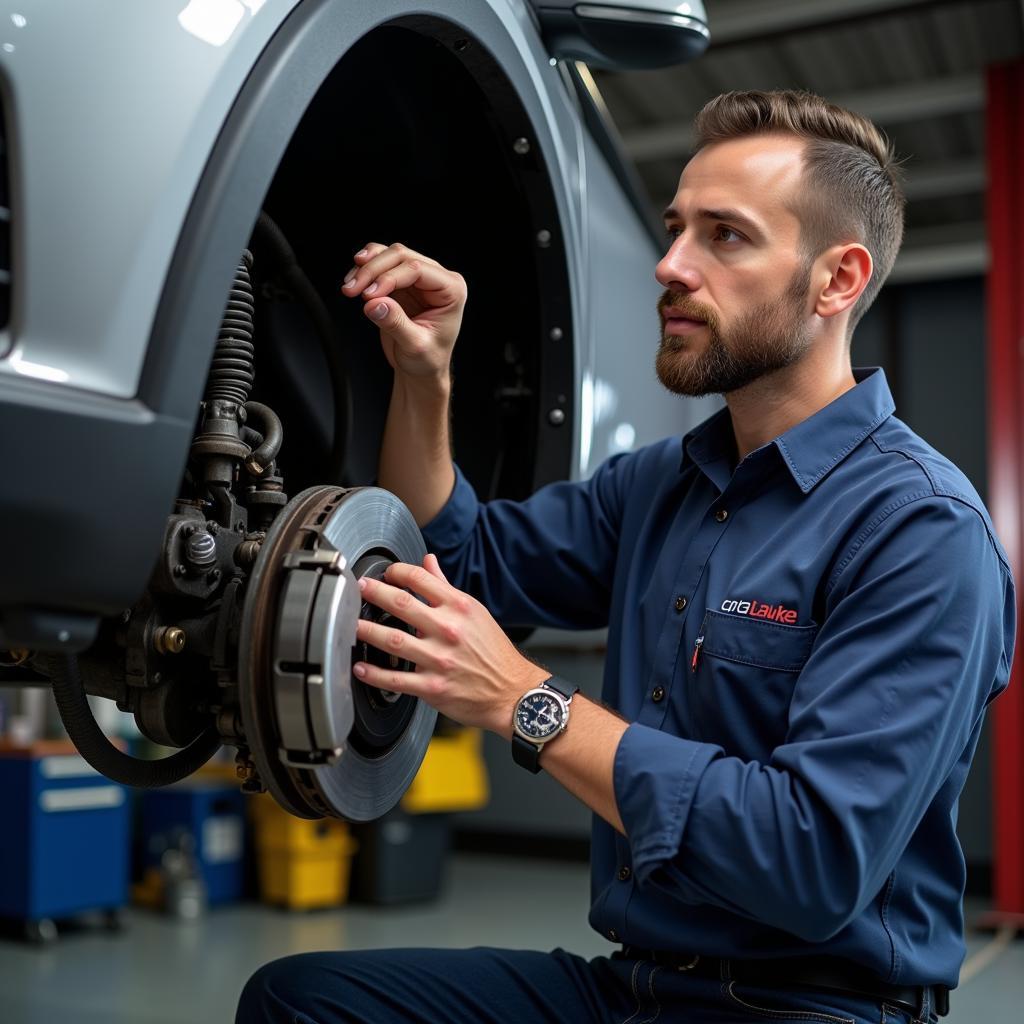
(323, 742)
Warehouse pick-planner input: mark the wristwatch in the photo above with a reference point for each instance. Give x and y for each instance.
(540, 715)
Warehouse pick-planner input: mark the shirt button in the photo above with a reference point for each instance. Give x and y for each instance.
(658, 694)
(624, 873)
(721, 515)
(680, 603)
(613, 935)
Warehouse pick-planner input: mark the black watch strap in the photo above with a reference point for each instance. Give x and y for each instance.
(525, 754)
(562, 686)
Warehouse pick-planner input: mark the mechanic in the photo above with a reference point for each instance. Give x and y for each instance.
(808, 614)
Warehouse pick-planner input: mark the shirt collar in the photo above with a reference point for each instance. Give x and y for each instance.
(816, 445)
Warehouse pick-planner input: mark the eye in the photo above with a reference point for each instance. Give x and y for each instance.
(673, 233)
(726, 234)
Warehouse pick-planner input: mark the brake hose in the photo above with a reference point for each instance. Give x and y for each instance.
(102, 755)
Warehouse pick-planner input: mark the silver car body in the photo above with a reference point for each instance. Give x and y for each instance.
(113, 111)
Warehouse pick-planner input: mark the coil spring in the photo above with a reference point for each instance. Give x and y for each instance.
(232, 370)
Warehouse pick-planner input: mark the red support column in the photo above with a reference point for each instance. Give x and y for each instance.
(1005, 223)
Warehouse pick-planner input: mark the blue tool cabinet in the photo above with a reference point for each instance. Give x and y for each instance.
(64, 836)
(213, 813)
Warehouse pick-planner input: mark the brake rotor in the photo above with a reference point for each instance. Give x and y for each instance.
(323, 742)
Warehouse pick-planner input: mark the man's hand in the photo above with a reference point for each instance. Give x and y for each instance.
(417, 304)
(467, 667)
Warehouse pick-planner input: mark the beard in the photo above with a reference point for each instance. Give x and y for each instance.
(762, 340)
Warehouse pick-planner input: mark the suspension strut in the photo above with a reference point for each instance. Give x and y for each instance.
(219, 448)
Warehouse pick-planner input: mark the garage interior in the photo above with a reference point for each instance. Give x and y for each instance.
(943, 78)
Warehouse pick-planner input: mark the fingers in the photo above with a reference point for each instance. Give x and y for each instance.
(398, 602)
(416, 684)
(415, 302)
(383, 269)
(400, 644)
(393, 641)
(431, 564)
(418, 580)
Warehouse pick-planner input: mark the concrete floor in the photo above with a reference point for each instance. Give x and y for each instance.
(158, 971)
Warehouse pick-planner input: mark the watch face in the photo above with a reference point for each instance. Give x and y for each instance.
(539, 715)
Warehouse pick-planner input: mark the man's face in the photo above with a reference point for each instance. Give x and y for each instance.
(736, 304)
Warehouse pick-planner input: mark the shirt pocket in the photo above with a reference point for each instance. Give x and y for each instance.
(743, 674)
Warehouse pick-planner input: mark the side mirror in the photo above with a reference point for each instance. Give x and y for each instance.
(624, 36)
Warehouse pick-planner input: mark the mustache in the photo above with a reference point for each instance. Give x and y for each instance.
(680, 304)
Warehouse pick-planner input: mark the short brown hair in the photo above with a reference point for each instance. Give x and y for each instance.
(851, 179)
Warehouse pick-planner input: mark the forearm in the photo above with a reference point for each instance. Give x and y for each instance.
(415, 458)
(582, 759)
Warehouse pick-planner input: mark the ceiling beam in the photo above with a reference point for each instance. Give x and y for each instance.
(945, 178)
(941, 252)
(747, 21)
(894, 104)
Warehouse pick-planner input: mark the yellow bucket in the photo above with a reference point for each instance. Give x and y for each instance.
(453, 776)
(302, 864)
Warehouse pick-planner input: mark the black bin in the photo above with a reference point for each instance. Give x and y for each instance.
(401, 858)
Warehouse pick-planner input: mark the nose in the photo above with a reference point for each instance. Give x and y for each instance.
(677, 270)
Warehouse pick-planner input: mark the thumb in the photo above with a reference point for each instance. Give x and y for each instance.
(388, 316)
(431, 564)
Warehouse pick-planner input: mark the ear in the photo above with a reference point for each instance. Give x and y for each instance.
(849, 268)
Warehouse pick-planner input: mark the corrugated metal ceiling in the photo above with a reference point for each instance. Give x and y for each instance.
(916, 67)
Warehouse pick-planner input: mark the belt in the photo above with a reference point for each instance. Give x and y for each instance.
(828, 973)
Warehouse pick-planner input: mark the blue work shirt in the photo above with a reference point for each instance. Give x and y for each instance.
(804, 645)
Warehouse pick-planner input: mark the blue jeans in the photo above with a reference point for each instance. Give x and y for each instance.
(498, 986)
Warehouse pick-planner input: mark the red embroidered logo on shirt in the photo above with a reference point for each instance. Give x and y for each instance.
(760, 610)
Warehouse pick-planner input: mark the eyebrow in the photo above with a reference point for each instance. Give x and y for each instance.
(670, 213)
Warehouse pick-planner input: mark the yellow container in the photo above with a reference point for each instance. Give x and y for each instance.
(303, 881)
(275, 827)
(453, 776)
(302, 864)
